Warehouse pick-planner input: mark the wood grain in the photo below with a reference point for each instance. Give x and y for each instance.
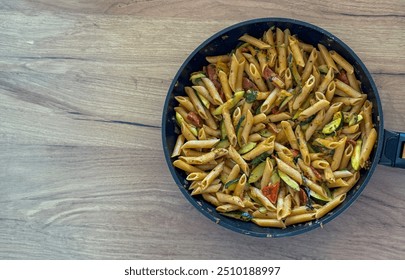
(82, 171)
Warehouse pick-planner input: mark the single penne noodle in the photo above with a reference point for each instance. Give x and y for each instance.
(306, 90)
(240, 186)
(317, 75)
(329, 174)
(302, 143)
(282, 149)
(338, 154)
(259, 118)
(330, 206)
(206, 158)
(267, 215)
(342, 173)
(227, 208)
(296, 52)
(279, 117)
(339, 182)
(342, 62)
(226, 89)
(210, 189)
(281, 51)
(255, 137)
(236, 157)
(347, 89)
(211, 199)
(262, 95)
(353, 81)
(308, 172)
(267, 145)
(212, 132)
(326, 80)
(267, 172)
(230, 130)
(287, 34)
(231, 199)
(262, 58)
(191, 153)
(330, 91)
(258, 127)
(233, 72)
(347, 153)
(267, 104)
(236, 115)
(312, 110)
(207, 166)
(196, 102)
(239, 77)
(202, 92)
(347, 100)
(254, 41)
(263, 222)
(306, 47)
(350, 184)
(196, 176)
(301, 210)
(315, 123)
(368, 145)
(280, 202)
(293, 173)
(256, 193)
(368, 122)
(316, 156)
(308, 66)
(330, 144)
(185, 103)
(286, 126)
(326, 56)
(185, 166)
(320, 164)
(177, 147)
(200, 144)
(296, 219)
(351, 129)
(212, 91)
(287, 159)
(271, 52)
(217, 58)
(247, 127)
(185, 130)
(286, 210)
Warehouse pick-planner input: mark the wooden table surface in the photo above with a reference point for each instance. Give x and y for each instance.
(82, 171)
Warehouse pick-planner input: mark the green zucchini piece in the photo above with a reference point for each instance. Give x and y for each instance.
(355, 159)
(247, 148)
(240, 215)
(257, 172)
(334, 125)
(288, 180)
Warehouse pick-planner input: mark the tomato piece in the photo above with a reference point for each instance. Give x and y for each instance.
(294, 152)
(317, 174)
(271, 192)
(303, 197)
(343, 77)
(195, 119)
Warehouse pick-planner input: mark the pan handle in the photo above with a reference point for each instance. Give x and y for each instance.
(393, 151)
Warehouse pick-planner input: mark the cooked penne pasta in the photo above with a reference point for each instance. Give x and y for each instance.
(268, 134)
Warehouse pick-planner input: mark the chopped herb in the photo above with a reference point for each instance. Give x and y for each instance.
(251, 96)
(231, 182)
(260, 158)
